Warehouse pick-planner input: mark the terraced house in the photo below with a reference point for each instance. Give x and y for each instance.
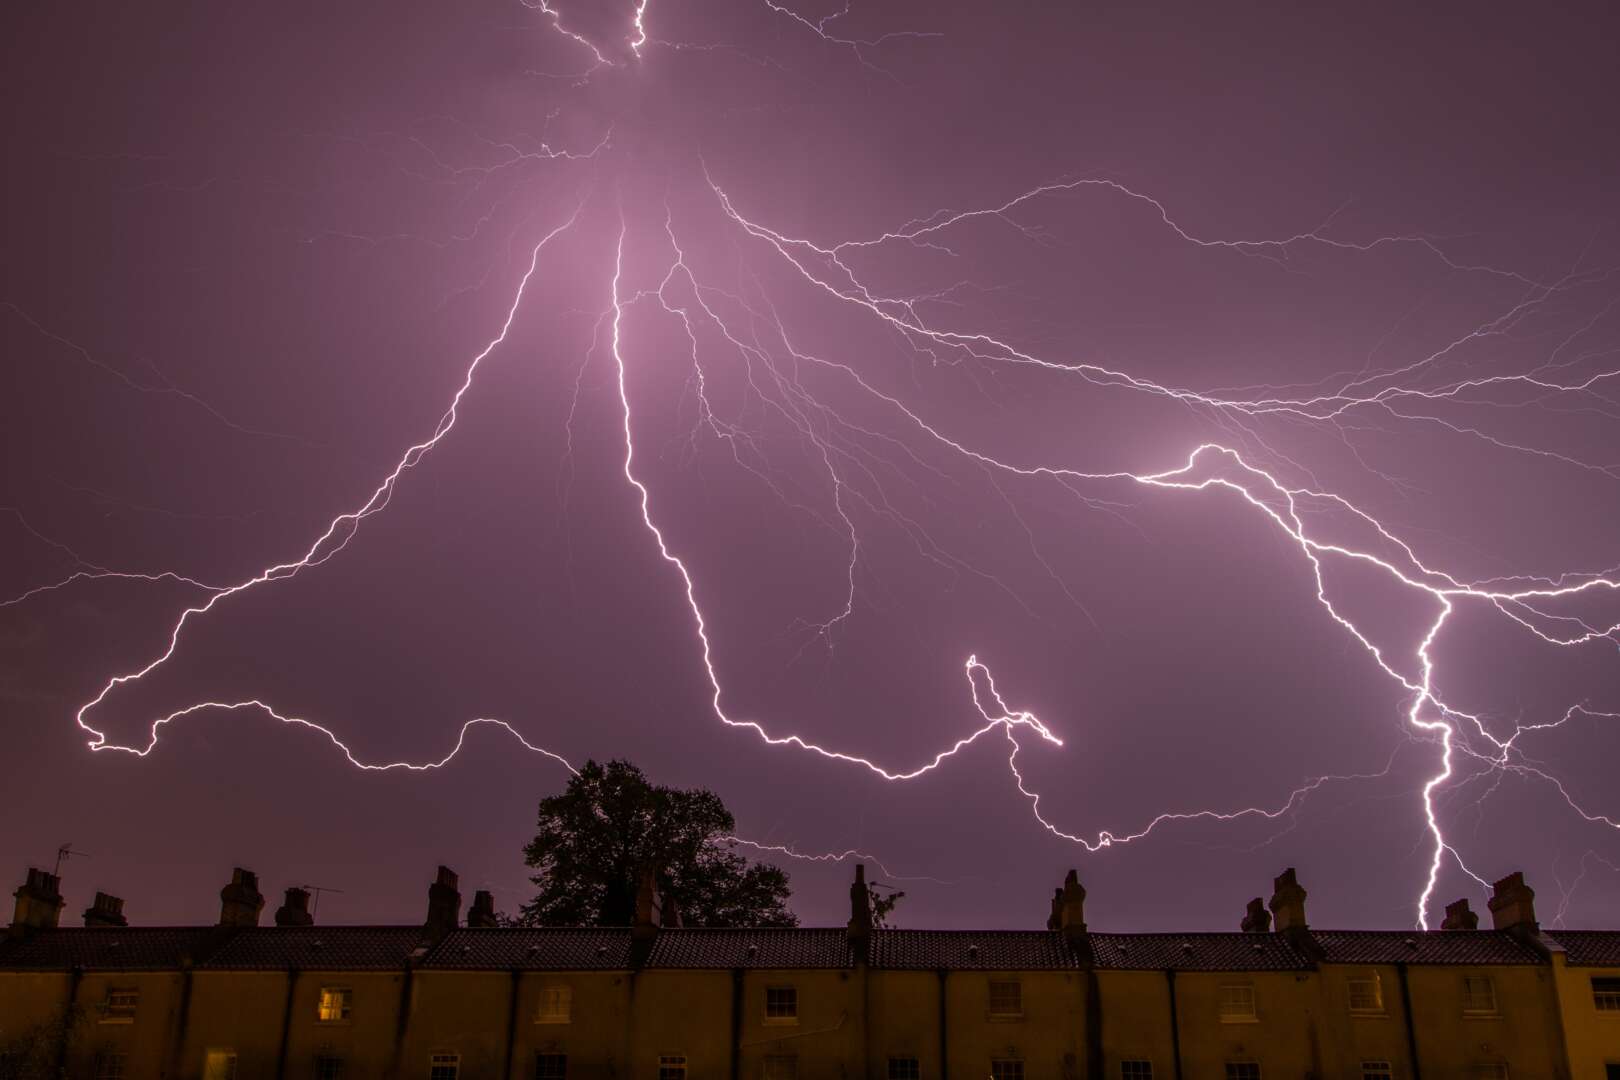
(447, 1000)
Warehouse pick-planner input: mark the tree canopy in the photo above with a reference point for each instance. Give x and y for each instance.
(597, 839)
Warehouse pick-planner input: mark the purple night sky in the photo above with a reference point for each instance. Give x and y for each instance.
(251, 251)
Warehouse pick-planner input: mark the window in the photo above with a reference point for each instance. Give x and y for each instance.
(1006, 998)
(551, 1066)
(1611, 1072)
(444, 1067)
(328, 1067)
(781, 1005)
(1606, 994)
(1488, 1072)
(109, 1066)
(904, 1068)
(1136, 1070)
(1006, 1069)
(556, 1005)
(1377, 1070)
(1479, 996)
(1237, 1003)
(672, 1067)
(1242, 1070)
(1366, 994)
(219, 1065)
(120, 1006)
(781, 1067)
(334, 1004)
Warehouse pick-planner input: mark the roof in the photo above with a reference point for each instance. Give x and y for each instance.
(1425, 947)
(109, 948)
(988, 950)
(328, 948)
(549, 949)
(764, 948)
(1588, 948)
(1197, 952)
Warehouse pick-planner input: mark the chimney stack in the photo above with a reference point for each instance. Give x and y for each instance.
(39, 903)
(1054, 921)
(1257, 920)
(106, 910)
(240, 902)
(294, 910)
(482, 912)
(1459, 916)
(1288, 902)
(860, 915)
(1513, 905)
(444, 904)
(1071, 914)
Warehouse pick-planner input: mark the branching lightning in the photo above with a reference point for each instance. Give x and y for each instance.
(1324, 528)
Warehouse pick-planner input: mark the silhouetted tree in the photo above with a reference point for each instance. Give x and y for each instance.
(35, 1052)
(597, 839)
(883, 905)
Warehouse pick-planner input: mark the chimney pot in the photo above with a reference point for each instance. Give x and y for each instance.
(444, 904)
(1459, 916)
(1257, 920)
(1513, 905)
(240, 902)
(859, 931)
(39, 902)
(1288, 902)
(1071, 913)
(105, 910)
(482, 912)
(294, 910)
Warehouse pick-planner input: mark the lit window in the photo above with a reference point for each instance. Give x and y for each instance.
(1479, 995)
(1237, 1003)
(672, 1067)
(219, 1065)
(1606, 994)
(1366, 994)
(108, 1067)
(1007, 1069)
(328, 1067)
(1242, 1070)
(556, 1005)
(904, 1068)
(551, 1066)
(781, 1005)
(1377, 1070)
(1136, 1070)
(444, 1067)
(1488, 1072)
(1006, 998)
(334, 1004)
(120, 1006)
(781, 1067)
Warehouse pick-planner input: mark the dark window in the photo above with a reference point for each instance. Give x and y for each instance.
(781, 1003)
(1007, 1069)
(904, 1068)
(109, 1066)
(1611, 1072)
(1606, 994)
(444, 1067)
(328, 1067)
(781, 1067)
(1006, 997)
(120, 1006)
(1136, 1070)
(550, 1066)
(672, 1067)
(1377, 1070)
(1242, 1070)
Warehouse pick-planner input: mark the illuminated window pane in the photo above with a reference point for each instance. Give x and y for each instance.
(1136, 1070)
(1006, 998)
(334, 1004)
(551, 1066)
(1237, 1002)
(556, 1005)
(219, 1065)
(1479, 995)
(904, 1068)
(1366, 994)
(1606, 994)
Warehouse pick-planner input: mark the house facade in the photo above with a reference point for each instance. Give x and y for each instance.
(453, 999)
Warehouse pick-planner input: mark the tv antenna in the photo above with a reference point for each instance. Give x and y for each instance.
(317, 890)
(65, 852)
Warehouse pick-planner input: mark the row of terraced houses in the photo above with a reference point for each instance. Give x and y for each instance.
(451, 1000)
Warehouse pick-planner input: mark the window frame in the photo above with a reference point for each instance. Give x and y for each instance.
(1236, 1070)
(786, 997)
(542, 1057)
(228, 1059)
(326, 1058)
(671, 1067)
(1376, 981)
(1611, 993)
(555, 993)
(1377, 1069)
(1469, 1008)
(904, 1067)
(112, 1065)
(1227, 1009)
(1010, 1068)
(343, 996)
(1000, 1011)
(1136, 1069)
(125, 1012)
(771, 1066)
(444, 1059)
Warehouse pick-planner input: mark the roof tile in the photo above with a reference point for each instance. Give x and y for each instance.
(1589, 948)
(324, 948)
(1197, 952)
(988, 950)
(111, 948)
(1424, 947)
(765, 948)
(547, 949)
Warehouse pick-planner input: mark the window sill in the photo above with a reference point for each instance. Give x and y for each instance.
(1369, 1014)
(1004, 1018)
(555, 1020)
(116, 1020)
